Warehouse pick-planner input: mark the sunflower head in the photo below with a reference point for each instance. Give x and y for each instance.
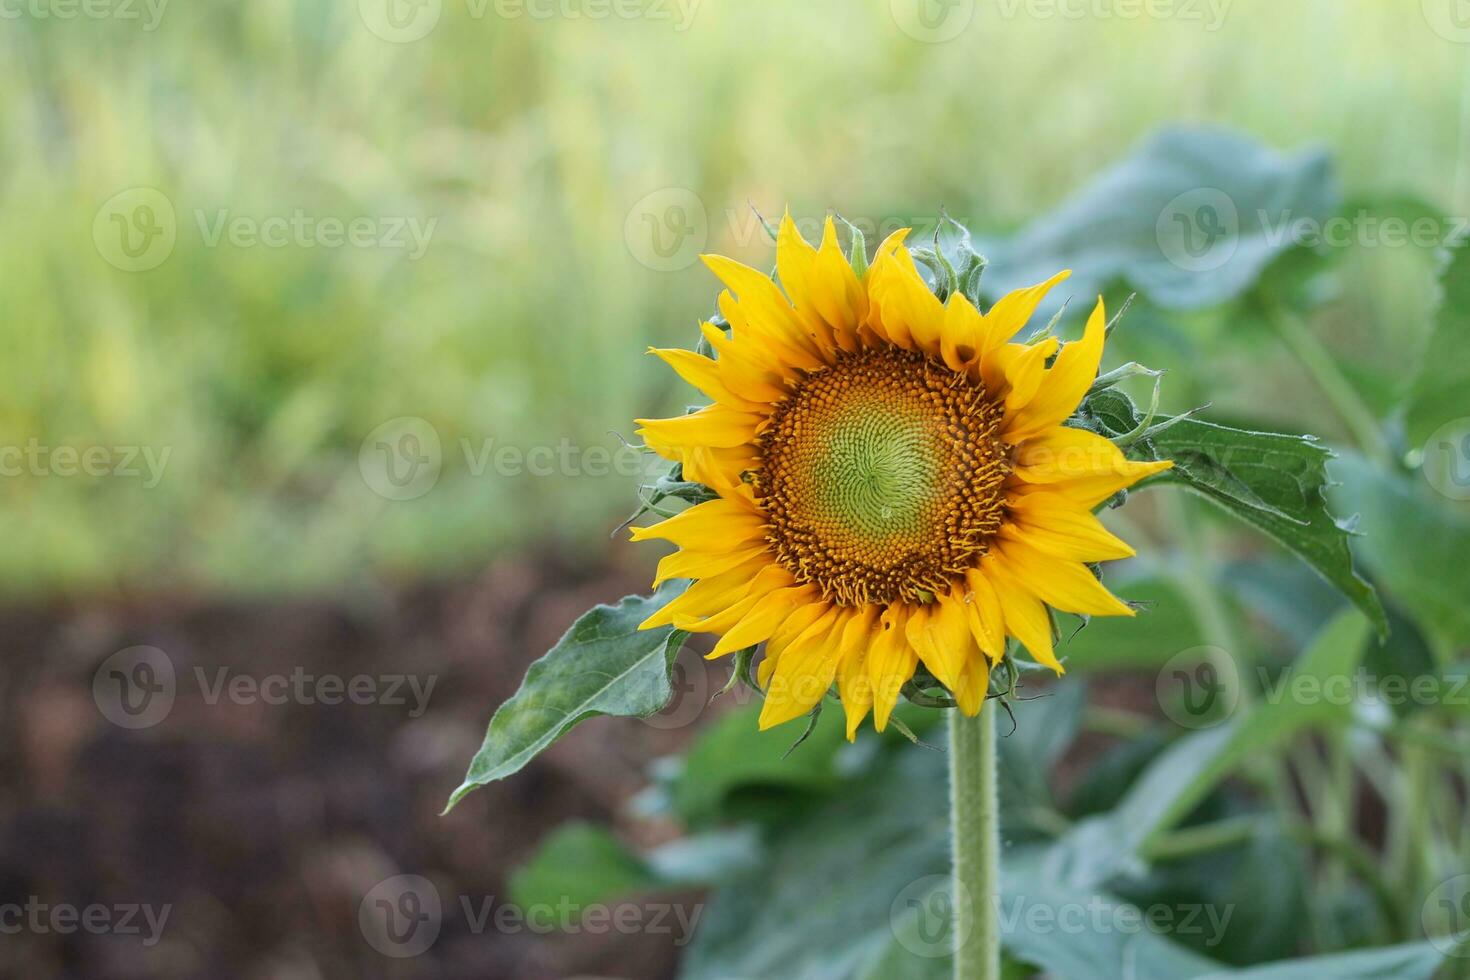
(894, 483)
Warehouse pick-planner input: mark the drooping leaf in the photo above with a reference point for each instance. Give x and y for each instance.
(603, 665)
(1276, 483)
(1191, 219)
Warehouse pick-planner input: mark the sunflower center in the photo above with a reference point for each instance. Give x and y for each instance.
(881, 476)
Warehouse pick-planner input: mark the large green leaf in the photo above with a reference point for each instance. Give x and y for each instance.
(582, 865)
(1416, 544)
(1274, 482)
(1418, 961)
(604, 665)
(1192, 219)
(1439, 391)
(733, 756)
(1179, 779)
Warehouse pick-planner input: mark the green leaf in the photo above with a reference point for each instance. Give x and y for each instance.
(1276, 483)
(734, 757)
(1417, 961)
(1192, 219)
(1415, 544)
(857, 890)
(604, 665)
(580, 865)
(1117, 643)
(1180, 779)
(1438, 392)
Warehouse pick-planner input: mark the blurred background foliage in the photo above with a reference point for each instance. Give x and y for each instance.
(532, 142)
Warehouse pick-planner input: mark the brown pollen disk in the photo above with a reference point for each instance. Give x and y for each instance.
(881, 476)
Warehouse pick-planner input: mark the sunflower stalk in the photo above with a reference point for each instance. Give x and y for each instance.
(975, 842)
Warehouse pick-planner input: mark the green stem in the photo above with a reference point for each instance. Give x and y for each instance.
(975, 837)
(1319, 362)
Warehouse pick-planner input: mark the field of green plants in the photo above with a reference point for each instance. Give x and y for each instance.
(306, 302)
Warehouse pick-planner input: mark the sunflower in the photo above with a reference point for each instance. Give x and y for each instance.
(894, 481)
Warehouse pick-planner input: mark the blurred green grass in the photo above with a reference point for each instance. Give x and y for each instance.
(531, 141)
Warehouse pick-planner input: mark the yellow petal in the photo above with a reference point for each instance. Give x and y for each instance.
(796, 267)
(973, 684)
(891, 663)
(713, 425)
(1062, 584)
(940, 633)
(836, 292)
(764, 618)
(749, 375)
(706, 374)
(767, 313)
(722, 522)
(1073, 372)
(1012, 311)
(1063, 454)
(853, 683)
(1026, 617)
(959, 342)
(805, 669)
(698, 563)
(1023, 371)
(1054, 523)
(710, 595)
(987, 621)
(726, 608)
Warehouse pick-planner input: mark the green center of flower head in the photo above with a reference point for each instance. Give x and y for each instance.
(881, 477)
